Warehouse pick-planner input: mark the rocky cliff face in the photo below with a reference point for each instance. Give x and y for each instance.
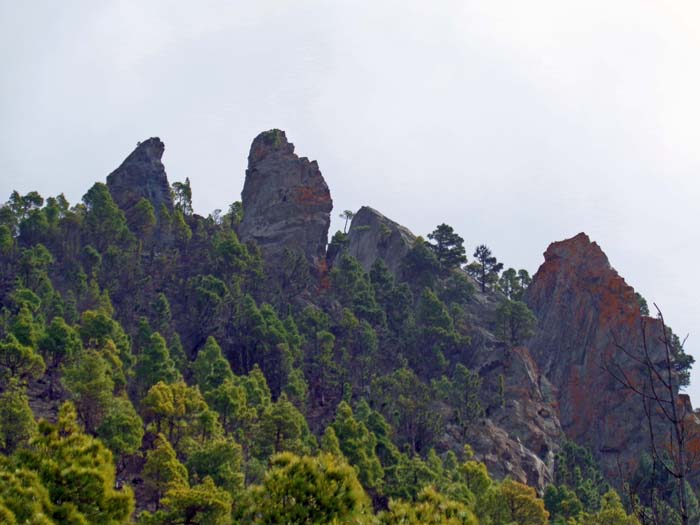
(286, 201)
(141, 175)
(520, 438)
(373, 236)
(585, 310)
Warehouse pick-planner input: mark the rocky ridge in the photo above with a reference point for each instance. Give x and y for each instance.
(557, 385)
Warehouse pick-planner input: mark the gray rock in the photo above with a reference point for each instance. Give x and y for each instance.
(286, 201)
(373, 236)
(141, 175)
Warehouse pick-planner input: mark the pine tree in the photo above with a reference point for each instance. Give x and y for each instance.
(122, 428)
(358, 445)
(162, 470)
(486, 267)
(448, 247)
(296, 490)
(78, 472)
(210, 368)
(154, 364)
(17, 423)
(220, 459)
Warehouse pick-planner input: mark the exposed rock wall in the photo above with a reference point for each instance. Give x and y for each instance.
(585, 310)
(141, 175)
(373, 236)
(520, 438)
(286, 202)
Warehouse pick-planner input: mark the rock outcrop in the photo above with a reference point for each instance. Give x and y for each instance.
(586, 311)
(521, 437)
(373, 236)
(286, 201)
(141, 175)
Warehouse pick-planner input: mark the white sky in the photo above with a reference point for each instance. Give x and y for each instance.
(518, 123)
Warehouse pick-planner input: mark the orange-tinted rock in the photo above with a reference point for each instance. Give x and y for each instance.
(586, 312)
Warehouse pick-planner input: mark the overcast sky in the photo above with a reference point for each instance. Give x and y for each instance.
(518, 123)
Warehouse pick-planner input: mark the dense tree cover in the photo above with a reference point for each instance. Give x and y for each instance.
(154, 369)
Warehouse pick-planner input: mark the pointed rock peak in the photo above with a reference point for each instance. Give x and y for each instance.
(579, 247)
(151, 149)
(584, 310)
(286, 200)
(141, 175)
(269, 142)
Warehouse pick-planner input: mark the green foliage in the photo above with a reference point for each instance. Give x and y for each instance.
(437, 338)
(219, 459)
(354, 289)
(462, 391)
(643, 305)
(448, 247)
(17, 423)
(105, 224)
(515, 322)
(429, 508)
(60, 342)
(231, 366)
(23, 499)
(121, 428)
(358, 445)
(18, 361)
(577, 469)
(562, 503)
(181, 413)
(162, 471)
(337, 245)
(485, 268)
(457, 289)
(518, 503)
(407, 403)
(203, 504)
(612, 512)
(182, 192)
(282, 428)
(514, 283)
(154, 364)
(78, 472)
(88, 380)
(142, 219)
(300, 490)
(210, 368)
(330, 443)
(421, 265)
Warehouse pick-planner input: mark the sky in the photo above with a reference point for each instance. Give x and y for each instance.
(518, 123)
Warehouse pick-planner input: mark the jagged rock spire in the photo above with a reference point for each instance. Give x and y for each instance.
(141, 175)
(286, 201)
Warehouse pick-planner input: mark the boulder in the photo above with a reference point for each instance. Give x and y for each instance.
(286, 202)
(373, 236)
